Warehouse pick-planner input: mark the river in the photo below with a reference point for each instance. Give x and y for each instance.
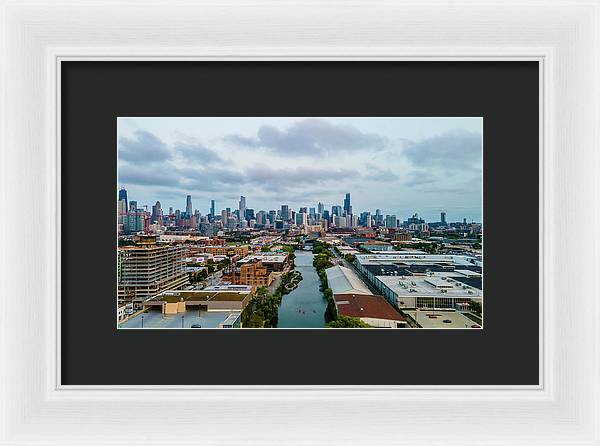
(305, 306)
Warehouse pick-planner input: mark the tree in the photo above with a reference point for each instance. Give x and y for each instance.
(349, 258)
(476, 307)
(265, 249)
(347, 322)
(211, 269)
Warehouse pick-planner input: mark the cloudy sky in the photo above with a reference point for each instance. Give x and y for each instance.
(399, 165)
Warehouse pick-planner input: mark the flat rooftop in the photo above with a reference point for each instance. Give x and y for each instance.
(428, 286)
(155, 319)
(414, 258)
(436, 318)
(343, 280)
(198, 296)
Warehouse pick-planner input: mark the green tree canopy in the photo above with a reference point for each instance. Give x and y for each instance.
(347, 322)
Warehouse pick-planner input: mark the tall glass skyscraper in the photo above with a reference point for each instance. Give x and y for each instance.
(347, 207)
(188, 206)
(123, 196)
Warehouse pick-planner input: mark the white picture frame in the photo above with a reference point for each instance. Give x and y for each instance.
(563, 36)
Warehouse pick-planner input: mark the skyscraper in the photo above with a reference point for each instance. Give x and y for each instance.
(320, 208)
(212, 209)
(378, 217)
(188, 206)
(285, 212)
(390, 221)
(443, 217)
(242, 207)
(347, 207)
(156, 213)
(123, 196)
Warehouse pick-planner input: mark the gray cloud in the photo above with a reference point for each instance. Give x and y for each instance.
(419, 178)
(144, 148)
(148, 176)
(197, 152)
(375, 173)
(293, 178)
(310, 137)
(452, 150)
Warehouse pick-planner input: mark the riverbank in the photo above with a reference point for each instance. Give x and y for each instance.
(305, 306)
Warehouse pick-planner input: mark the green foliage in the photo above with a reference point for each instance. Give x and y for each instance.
(350, 258)
(263, 309)
(265, 249)
(476, 245)
(347, 322)
(211, 268)
(476, 307)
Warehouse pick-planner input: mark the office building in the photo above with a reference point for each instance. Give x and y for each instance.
(320, 208)
(242, 207)
(147, 268)
(347, 206)
(156, 213)
(285, 212)
(123, 196)
(443, 218)
(390, 221)
(188, 206)
(212, 210)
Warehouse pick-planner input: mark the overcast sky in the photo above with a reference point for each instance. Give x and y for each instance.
(399, 165)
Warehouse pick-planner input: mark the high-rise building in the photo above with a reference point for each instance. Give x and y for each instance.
(188, 206)
(212, 209)
(272, 216)
(390, 221)
(378, 217)
(133, 222)
(224, 216)
(156, 213)
(242, 207)
(339, 221)
(249, 214)
(261, 217)
(347, 207)
(301, 219)
(325, 216)
(146, 269)
(320, 208)
(336, 210)
(123, 196)
(285, 212)
(443, 217)
(170, 210)
(121, 212)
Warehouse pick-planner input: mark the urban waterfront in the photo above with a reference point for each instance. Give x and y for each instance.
(300, 223)
(305, 306)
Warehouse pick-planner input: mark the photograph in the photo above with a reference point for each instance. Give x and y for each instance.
(299, 222)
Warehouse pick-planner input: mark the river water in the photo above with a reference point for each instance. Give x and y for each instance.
(305, 306)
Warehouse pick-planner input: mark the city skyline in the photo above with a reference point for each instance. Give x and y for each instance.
(401, 166)
(189, 200)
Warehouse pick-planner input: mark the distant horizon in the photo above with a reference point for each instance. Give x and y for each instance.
(402, 166)
(218, 209)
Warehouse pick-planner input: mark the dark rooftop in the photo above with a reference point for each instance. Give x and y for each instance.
(361, 305)
(199, 296)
